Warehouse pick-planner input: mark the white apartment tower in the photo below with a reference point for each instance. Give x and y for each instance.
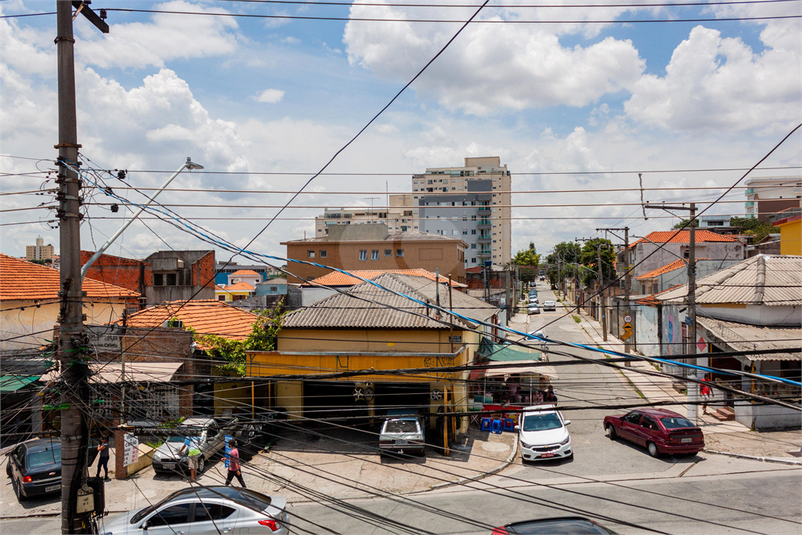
(470, 202)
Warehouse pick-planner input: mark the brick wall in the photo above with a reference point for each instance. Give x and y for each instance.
(124, 272)
(203, 271)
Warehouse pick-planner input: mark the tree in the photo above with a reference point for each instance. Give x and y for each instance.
(589, 257)
(527, 261)
(566, 252)
(263, 337)
(752, 226)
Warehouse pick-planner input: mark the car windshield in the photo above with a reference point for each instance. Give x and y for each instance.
(401, 426)
(44, 458)
(542, 422)
(676, 422)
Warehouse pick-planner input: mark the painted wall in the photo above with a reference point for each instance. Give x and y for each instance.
(647, 331)
(32, 327)
(755, 314)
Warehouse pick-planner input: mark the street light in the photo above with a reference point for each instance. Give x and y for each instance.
(189, 164)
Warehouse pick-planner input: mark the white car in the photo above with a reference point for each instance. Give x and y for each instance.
(549, 305)
(543, 434)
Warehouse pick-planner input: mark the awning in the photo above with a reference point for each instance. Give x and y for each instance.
(12, 383)
(498, 369)
(136, 372)
(506, 352)
(745, 337)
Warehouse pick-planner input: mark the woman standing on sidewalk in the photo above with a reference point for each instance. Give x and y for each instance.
(704, 390)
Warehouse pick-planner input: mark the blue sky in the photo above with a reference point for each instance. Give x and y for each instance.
(249, 96)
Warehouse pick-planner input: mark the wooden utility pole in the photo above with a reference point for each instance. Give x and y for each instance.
(72, 339)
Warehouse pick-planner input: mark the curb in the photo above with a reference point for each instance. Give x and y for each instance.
(479, 477)
(756, 458)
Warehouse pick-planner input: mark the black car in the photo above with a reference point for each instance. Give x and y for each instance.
(569, 525)
(35, 466)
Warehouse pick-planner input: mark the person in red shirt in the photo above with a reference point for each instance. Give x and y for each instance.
(704, 390)
(234, 468)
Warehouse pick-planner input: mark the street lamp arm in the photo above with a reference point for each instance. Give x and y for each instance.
(189, 164)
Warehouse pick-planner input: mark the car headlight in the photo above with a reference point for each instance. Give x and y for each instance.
(525, 445)
(566, 441)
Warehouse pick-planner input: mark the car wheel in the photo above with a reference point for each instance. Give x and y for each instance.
(201, 464)
(610, 429)
(18, 490)
(652, 447)
(8, 469)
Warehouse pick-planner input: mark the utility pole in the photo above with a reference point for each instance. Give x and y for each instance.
(691, 387)
(628, 317)
(72, 339)
(600, 291)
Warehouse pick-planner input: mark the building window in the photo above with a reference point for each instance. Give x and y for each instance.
(239, 297)
(171, 279)
(274, 288)
(399, 252)
(158, 279)
(473, 231)
(473, 260)
(465, 232)
(388, 252)
(310, 254)
(363, 254)
(324, 253)
(454, 232)
(374, 254)
(221, 297)
(473, 246)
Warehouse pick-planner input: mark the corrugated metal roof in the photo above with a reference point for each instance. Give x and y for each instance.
(365, 306)
(336, 278)
(743, 337)
(760, 280)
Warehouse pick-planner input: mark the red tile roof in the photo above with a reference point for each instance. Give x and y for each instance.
(236, 287)
(205, 316)
(245, 272)
(21, 280)
(335, 278)
(676, 264)
(683, 236)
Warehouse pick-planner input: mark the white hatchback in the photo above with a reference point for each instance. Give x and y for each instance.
(543, 434)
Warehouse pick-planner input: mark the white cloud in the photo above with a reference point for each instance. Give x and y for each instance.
(270, 96)
(715, 83)
(167, 37)
(492, 66)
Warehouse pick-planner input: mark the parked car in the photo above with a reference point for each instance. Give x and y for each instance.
(569, 525)
(402, 433)
(534, 309)
(169, 459)
(205, 510)
(549, 305)
(658, 430)
(543, 434)
(34, 466)
(533, 300)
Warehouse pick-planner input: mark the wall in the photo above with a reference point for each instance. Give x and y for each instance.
(672, 251)
(364, 340)
(128, 273)
(775, 316)
(429, 254)
(762, 417)
(32, 327)
(647, 330)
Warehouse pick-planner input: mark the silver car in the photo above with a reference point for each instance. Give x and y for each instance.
(205, 510)
(210, 433)
(402, 434)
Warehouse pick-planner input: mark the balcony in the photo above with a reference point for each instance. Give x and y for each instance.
(484, 253)
(484, 238)
(483, 224)
(485, 210)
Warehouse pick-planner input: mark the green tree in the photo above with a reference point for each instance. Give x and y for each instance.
(753, 227)
(589, 257)
(566, 252)
(527, 257)
(232, 352)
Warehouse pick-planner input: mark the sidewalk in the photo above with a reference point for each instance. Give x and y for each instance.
(727, 437)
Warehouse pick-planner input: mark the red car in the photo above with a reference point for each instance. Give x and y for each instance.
(659, 430)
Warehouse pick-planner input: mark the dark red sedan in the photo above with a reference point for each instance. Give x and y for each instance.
(658, 430)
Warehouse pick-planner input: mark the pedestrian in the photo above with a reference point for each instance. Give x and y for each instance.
(234, 468)
(550, 396)
(704, 390)
(103, 458)
(192, 445)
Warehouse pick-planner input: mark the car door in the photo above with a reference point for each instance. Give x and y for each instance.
(214, 519)
(629, 426)
(649, 431)
(169, 520)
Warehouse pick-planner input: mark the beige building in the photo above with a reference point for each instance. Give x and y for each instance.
(373, 246)
(40, 251)
(470, 202)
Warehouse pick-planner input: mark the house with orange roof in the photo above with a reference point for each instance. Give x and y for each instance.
(234, 292)
(29, 302)
(675, 273)
(658, 249)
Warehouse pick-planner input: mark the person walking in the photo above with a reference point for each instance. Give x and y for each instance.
(103, 458)
(704, 390)
(234, 467)
(192, 445)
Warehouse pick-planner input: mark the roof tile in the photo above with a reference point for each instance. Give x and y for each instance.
(205, 316)
(683, 236)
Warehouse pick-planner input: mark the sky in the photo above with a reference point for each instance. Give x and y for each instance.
(575, 100)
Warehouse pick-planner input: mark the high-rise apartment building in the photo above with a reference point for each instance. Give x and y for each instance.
(40, 251)
(471, 203)
(768, 196)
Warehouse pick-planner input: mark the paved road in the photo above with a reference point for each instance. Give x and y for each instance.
(694, 500)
